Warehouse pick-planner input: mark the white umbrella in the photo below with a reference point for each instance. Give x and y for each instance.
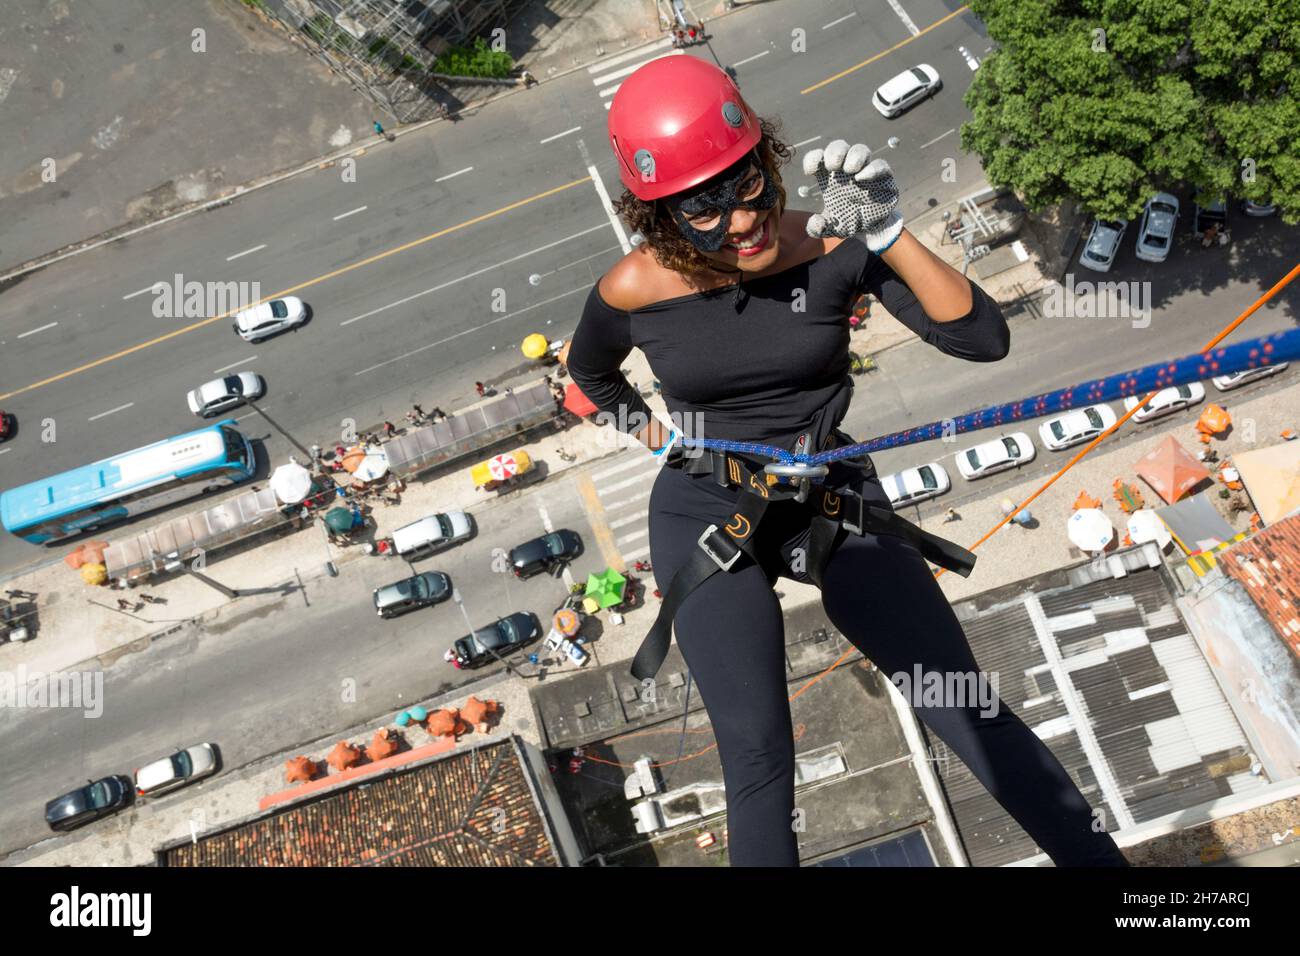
(373, 466)
(1145, 525)
(1090, 529)
(291, 483)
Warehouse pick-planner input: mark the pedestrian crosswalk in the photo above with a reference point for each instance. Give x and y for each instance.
(608, 74)
(623, 488)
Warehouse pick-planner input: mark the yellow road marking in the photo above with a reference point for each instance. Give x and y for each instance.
(302, 285)
(896, 46)
(599, 526)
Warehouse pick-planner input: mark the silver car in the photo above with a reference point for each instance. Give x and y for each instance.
(268, 318)
(220, 394)
(1103, 244)
(1156, 228)
(1225, 383)
(906, 90)
(176, 770)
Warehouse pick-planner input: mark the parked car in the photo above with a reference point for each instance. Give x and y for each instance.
(7, 425)
(268, 318)
(1212, 213)
(421, 590)
(911, 485)
(1103, 244)
(1233, 380)
(1251, 208)
(432, 533)
(504, 636)
(96, 799)
(1156, 228)
(1166, 401)
(1076, 426)
(904, 91)
(548, 553)
(1009, 451)
(176, 770)
(220, 394)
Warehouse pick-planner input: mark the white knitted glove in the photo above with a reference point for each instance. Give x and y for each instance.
(858, 198)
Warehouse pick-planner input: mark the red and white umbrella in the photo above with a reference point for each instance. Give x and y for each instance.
(502, 467)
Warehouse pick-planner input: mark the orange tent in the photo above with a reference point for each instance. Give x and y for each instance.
(477, 712)
(353, 458)
(1171, 470)
(445, 723)
(299, 770)
(382, 745)
(91, 552)
(343, 755)
(1083, 501)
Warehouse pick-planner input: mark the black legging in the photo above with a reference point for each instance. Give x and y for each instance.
(880, 593)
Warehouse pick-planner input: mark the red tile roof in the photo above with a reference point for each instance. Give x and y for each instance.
(1267, 565)
(474, 807)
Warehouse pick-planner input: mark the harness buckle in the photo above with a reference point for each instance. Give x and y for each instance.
(847, 524)
(723, 563)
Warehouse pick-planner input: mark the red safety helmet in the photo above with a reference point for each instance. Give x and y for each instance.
(676, 122)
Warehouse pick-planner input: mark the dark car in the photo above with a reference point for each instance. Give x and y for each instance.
(1210, 213)
(6, 425)
(90, 802)
(428, 587)
(549, 553)
(505, 636)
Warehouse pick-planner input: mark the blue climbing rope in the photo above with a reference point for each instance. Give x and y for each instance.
(1251, 353)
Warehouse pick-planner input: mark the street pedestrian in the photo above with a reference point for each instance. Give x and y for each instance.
(19, 594)
(379, 128)
(419, 412)
(528, 78)
(480, 388)
(438, 414)
(951, 515)
(389, 429)
(509, 390)
(123, 604)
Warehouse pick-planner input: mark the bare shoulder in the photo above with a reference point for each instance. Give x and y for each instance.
(633, 282)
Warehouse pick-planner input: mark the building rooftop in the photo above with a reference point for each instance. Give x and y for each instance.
(1267, 565)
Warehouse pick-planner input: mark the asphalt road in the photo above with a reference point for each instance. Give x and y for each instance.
(287, 667)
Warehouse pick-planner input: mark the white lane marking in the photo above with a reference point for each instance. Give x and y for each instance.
(585, 258)
(250, 414)
(610, 90)
(622, 484)
(150, 288)
(456, 173)
(558, 135)
(840, 20)
(638, 553)
(806, 142)
(500, 318)
(628, 70)
(624, 57)
(468, 275)
(4, 450)
(629, 538)
(971, 61)
(751, 59)
(633, 461)
(937, 138)
(350, 212)
(546, 519)
(902, 15)
(608, 104)
(613, 505)
(630, 519)
(597, 182)
(246, 252)
(49, 325)
(218, 371)
(120, 408)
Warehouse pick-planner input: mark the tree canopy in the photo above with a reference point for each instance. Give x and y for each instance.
(1106, 102)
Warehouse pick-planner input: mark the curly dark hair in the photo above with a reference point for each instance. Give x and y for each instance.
(653, 220)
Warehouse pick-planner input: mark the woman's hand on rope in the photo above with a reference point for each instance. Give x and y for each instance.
(859, 195)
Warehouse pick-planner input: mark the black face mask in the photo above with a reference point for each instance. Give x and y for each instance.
(719, 195)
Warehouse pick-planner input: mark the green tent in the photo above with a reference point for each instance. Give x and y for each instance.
(338, 520)
(606, 587)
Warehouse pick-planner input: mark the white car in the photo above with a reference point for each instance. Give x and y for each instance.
(432, 533)
(271, 317)
(182, 767)
(1156, 228)
(906, 90)
(1075, 426)
(1166, 401)
(1237, 379)
(916, 484)
(222, 393)
(1009, 451)
(1103, 244)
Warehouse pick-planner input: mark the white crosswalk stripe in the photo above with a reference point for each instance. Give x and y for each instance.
(608, 75)
(624, 491)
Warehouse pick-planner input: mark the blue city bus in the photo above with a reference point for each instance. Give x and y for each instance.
(111, 490)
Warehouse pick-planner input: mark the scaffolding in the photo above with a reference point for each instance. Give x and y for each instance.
(387, 48)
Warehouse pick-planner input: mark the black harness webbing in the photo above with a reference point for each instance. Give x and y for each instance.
(719, 549)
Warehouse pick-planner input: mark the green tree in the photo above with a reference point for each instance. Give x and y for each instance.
(1108, 101)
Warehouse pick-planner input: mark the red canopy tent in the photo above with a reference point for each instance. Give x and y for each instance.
(577, 402)
(1171, 470)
